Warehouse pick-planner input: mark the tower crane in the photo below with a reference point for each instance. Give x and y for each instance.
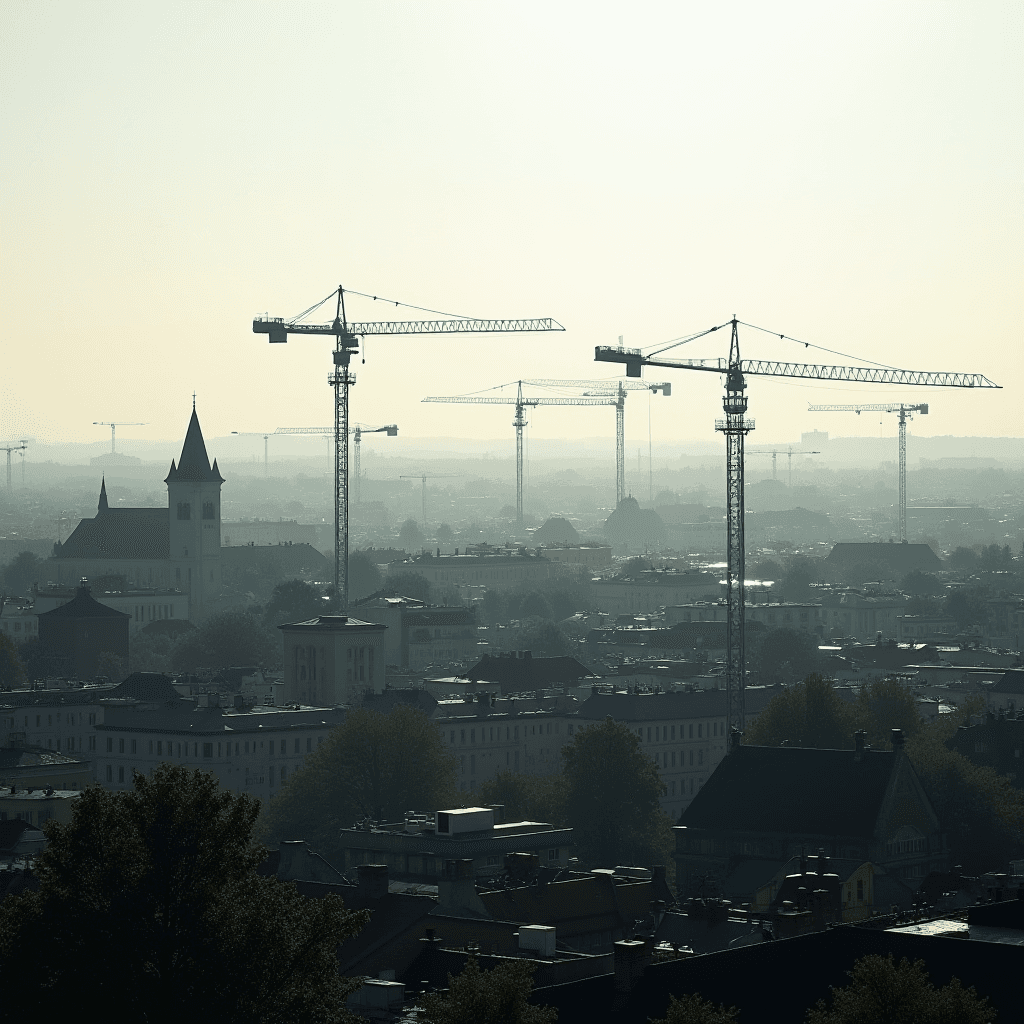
(423, 478)
(905, 412)
(346, 344)
(735, 427)
(613, 389)
(266, 449)
(11, 448)
(113, 427)
(519, 422)
(775, 452)
(357, 433)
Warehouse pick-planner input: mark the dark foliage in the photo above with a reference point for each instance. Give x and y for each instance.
(781, 655)
(150, 907)
(921, 584)
(12, 668)
(498, 996)
(18, 575)
(693, 1009)
(364, 578)
(294, 601)
(230, 638)
(408, 584)
(883, 992)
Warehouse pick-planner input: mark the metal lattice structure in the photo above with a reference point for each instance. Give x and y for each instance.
(776, 452)
(613, 389)
(346, 344)
(905, 412)
(11, 448)
(520, 421)
(736, 426)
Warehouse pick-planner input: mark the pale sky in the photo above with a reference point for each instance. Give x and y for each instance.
(846, 174)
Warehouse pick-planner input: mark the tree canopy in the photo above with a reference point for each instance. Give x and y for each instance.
(230, 638)
(364, 578)
(374, 765)
(780, 655)
(408, 584)
(612, 798)
(526, 797)
(294, 601)
(498, 996)
(12, 670)
(20, 573)
(883, 991)
(149, 901)
(807, 714)
(410, 536)
(693, 1009)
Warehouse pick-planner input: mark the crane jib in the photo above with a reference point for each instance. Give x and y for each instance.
(279, 330)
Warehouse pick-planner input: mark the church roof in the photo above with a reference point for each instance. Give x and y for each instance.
(793, 790)
(120, 533)
(194, 464)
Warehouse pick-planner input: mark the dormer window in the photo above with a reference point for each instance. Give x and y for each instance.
(184, 510)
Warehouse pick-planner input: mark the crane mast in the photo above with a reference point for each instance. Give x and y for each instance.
(906, 413)
(736, 426)
(519, 422)
(346, 344)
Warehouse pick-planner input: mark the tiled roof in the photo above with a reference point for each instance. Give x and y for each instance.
(527, 673)
(793, 790)
(83, 606)
(120, 533)
(897, 556)
(1012, 681)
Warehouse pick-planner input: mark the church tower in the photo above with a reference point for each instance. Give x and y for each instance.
(193, 498)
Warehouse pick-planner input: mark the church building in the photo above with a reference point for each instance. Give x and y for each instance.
(174, 548)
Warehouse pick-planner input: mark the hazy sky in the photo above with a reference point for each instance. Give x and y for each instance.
(849, 174)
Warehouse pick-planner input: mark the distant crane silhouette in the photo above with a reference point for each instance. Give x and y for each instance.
(113, 427)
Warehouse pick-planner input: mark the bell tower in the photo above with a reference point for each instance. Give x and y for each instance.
(193, 500)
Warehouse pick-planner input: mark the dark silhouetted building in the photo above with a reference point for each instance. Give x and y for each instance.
(74, 635)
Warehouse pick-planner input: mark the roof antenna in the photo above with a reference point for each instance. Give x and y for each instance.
(193, 401)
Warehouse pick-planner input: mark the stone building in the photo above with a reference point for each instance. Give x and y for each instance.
(175, 547)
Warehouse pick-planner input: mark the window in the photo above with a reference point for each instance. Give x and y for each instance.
(92, 742)
(700, 730)
(120, 775)
(553, 854)
(110, 745)
(309, 744)
(134, 746)
(691, 758)
(860, 890)
(472, 735)
(673, 732)
(673, 762)
(209, 511)
(184, 510)
(700, 757)
(207, 750)
(648, 734)
(472, 764)
(159, 748)
(110, 774)
(691, 732)
(296, 746)
(451, 737)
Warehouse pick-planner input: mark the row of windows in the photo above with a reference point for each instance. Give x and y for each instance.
(905, 846)
(490, 734)
(131, 746)
(71, 719)
(185, 510)
(667, 759)
(667, 733)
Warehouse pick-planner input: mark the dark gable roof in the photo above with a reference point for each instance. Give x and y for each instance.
(1012, 681)
(194, 464)
(793, 790)
(666, 706)
(899, 557)
(147, 686)
(120, 533)
(83, 606)
(526, 673)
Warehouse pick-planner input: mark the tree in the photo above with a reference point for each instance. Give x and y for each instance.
(693, 1009)
(498, 996)
(294, 601)
(964, 559)
(807, 714)
(410, 537)
(374, 765)
(149, 901)
(967, 606)
(780, 655)
(882, 991)
(535, 605)
(885, 705)
(768, 569)
(12, 669)
(921, 584)
(408, 584)
(445, 534)
(21, 572)
(543, 638)
(150, 652)
(230, 638)
(364, 578)
(612, 798)
(526, 797)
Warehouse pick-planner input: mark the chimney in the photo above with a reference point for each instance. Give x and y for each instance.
(858, 743)
(456, 891)
(897, 739)
(373, 880)
(630, 956)
(291, 854)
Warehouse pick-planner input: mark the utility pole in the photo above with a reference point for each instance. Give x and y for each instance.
(346, 344)
(736, 426)
(905, 413)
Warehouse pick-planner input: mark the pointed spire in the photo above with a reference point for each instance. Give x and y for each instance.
(194, 464)
(103, 506)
